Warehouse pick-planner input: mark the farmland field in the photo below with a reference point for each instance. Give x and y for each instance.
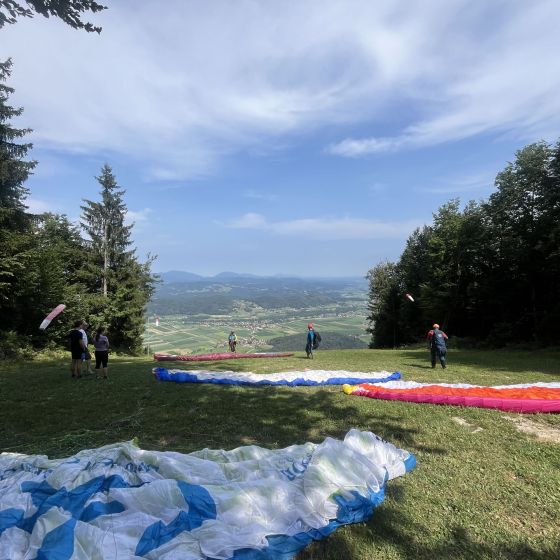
(256, 331)
(265, 313)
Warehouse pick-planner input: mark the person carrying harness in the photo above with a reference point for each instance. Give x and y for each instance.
(436, 345)
(310, 341)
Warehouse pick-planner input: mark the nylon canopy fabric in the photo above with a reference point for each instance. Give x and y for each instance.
(250, 503)
(218, 356)
(526, 398)
(289, 378)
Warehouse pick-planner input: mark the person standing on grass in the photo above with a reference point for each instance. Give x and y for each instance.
(101, 343)
(86, 356)
(232, 341)
(437, 346)
(310, 341)
(77, 348)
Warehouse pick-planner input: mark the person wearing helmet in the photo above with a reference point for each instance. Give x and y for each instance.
(310, 341)
(437, 346)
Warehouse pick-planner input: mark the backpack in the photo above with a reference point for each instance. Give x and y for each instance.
(316, 340)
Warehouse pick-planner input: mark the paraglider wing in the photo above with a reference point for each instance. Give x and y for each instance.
(47, 320)
(409, 297)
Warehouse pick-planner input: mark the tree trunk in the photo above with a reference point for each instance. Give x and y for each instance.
(105, 261)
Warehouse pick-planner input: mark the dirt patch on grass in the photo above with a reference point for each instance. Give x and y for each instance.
(543, 432)
(462, 422)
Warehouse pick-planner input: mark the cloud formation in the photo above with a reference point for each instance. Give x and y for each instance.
(507, 84)
(328, 228)
(179, 89)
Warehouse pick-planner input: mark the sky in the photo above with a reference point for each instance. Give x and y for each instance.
(307, 138)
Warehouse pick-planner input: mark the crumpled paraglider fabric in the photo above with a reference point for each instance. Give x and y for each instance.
(219, 356)
(251, 503)
(526, 397)
(290, 378)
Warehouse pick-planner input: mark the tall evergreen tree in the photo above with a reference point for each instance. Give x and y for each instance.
(15, 225)
(125, 284)
(104, 223)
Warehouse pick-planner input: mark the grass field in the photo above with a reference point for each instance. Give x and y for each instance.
(491, 493)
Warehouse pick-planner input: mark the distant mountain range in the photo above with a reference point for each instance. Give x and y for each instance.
(180, 276)
(183, 292)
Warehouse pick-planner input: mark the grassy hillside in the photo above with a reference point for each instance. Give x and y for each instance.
(482, 488)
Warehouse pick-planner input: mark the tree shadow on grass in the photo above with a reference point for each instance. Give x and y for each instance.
(230, 416)
(394, 526)
(496, 360)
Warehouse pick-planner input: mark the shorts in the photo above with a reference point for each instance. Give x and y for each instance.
(86, 355)
(76, 354)
(101, 358)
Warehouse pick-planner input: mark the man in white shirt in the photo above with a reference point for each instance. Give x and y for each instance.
(86, 356)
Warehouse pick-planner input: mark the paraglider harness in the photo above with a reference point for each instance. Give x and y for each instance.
(316, 340)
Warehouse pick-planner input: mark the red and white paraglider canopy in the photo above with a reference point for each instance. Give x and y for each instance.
(47, 320)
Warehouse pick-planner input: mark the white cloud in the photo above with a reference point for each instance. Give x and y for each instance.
(328, 229)
(179, 89)
(506, 81)
(38, 206)
(137, 215)
(457, 185)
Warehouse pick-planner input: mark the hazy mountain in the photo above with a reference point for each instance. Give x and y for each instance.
(233, 275)
(179, 276)
(186, 293)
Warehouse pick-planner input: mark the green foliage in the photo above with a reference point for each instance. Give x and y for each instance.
(113, 272)
(16, 237)
(69, 11)
(488, 272)
(384, 305)
(44, 261)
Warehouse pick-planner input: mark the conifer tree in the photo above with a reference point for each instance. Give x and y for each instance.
(124, 283)
(15, 224)
(104, 223)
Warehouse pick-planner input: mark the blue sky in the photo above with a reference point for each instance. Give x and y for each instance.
(306, 138)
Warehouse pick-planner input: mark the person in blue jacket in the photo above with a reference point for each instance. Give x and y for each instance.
(437, 346)
(310, 341)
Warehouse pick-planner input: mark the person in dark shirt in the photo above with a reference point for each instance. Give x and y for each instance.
(310, 341)
(437, 346)
(77, 348)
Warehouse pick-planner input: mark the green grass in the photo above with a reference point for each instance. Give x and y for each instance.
(492, 494)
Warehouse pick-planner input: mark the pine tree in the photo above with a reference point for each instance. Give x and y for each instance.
(14, 171)
(104, 223)
(125, 284)
(15, 225)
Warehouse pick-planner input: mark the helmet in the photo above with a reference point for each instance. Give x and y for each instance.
(310, 325)
(436, 326)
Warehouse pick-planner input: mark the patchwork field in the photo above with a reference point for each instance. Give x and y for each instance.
(265, 313)
(260, 330)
